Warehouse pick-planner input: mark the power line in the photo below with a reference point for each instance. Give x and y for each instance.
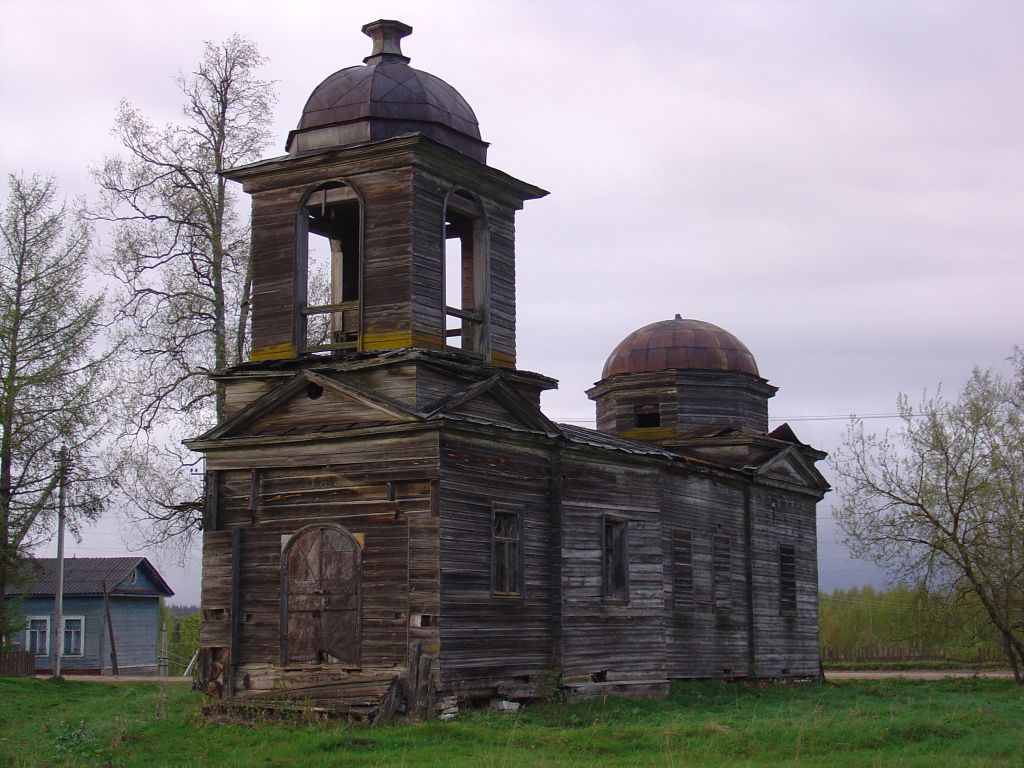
(824, 417)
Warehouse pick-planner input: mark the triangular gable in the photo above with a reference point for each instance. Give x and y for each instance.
(289, 409)
(493, 400)
(146, 582)
(790, 466)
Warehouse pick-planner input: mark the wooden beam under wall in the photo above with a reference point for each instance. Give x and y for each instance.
(236, 556)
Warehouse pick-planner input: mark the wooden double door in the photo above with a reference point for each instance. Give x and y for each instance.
(322, 585)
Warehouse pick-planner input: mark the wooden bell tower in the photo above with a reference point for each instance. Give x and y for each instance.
(385, 188)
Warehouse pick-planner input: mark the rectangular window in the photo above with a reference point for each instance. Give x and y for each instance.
(37, 636)
(507, 551)
(615, 560)
(682, 569)
(722, 571)
(787, 580)
(74, 636)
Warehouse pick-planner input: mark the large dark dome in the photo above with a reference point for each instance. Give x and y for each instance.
(385, 98)
(682, 345)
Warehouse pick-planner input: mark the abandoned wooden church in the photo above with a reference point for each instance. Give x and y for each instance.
(393, 523)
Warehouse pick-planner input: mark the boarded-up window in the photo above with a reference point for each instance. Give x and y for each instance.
(615, 560)
(722, 571)
(506, 551)
(322, 597)
(787, 580)
(682, 569)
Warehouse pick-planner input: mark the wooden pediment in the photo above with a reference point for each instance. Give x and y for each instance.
(493, 400)
(790, 466)
(310, 402)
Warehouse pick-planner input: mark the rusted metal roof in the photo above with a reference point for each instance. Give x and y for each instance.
(85, 576)
(680, 344)
(592, 437)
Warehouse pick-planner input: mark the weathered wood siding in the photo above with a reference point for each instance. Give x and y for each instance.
(684, 399)
(712, 398)
(274, 237)
(493, 641)
(705, 637)
(603, 640)
(786, 645)
(501, 234)
(377, 489)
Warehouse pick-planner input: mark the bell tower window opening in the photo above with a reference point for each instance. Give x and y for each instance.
(465, 281)
(329, 270)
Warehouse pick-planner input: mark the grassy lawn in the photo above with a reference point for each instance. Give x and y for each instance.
(857, 723)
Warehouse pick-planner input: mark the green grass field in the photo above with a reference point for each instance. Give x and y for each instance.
(863, 723)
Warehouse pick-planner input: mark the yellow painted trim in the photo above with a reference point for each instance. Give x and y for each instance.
(649, 433)
(503, 360)
(397, 340)
(273, 352)
(360, 539)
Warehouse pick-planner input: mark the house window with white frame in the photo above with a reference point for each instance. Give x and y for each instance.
(74, 636)
(37, 635)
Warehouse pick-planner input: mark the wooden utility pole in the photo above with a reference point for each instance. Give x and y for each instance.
(58, 646)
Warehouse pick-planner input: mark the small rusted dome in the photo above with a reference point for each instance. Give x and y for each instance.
(680, 344)
(385, 98)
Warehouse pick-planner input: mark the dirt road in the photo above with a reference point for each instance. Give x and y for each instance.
(917, 674)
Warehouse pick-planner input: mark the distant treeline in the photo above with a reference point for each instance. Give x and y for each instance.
(181, 611)
(903, 623)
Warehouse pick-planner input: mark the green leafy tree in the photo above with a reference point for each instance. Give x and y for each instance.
(940, 502)
(53, 392)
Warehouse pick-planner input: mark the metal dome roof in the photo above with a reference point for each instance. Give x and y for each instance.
(385, 98)
(680, 344)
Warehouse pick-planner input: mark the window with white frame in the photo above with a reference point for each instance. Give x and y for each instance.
(74, 636)
(37, 635)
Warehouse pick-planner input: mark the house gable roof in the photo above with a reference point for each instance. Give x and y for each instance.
(86, 575)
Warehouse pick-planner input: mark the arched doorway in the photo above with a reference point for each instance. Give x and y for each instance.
(322, 583)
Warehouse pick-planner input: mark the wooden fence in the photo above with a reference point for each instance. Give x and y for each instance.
(17, 664)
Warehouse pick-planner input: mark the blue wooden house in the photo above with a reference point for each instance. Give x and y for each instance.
(134, 589)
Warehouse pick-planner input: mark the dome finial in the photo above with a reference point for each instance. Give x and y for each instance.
(387, 37)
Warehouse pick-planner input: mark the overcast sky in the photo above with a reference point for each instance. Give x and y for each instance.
(839, 184)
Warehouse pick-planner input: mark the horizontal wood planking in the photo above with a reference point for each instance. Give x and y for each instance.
(785, 645)
(705, 639)
(605, 640)
(489, 640)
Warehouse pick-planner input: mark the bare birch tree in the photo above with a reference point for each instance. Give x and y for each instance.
(181, 254)
(53, 393)
(941, 501)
